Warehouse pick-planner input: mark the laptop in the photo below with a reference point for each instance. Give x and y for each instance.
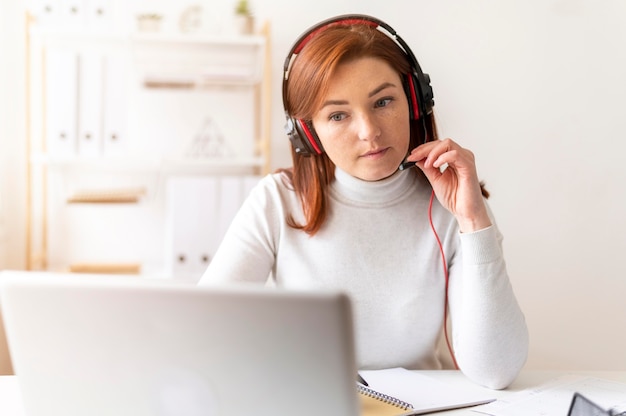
(112, 345)
(583, 406)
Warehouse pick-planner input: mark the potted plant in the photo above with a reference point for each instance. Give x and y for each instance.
(149, 22)
(244, 18)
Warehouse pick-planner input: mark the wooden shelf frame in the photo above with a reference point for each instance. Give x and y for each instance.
(39, 163)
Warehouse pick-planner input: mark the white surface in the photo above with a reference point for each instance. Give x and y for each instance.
(552, 397)
(528, 382)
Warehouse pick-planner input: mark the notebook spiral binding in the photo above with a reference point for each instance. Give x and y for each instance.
(384, 397)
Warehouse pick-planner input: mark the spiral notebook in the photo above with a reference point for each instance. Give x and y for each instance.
(400, 392)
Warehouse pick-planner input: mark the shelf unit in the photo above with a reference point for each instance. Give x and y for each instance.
(149, 113)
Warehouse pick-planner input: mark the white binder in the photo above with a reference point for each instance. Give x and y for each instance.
(47, 12)
(191, 222)
(60, 105)
(72, 14)
(98, 15)
(90, 103)
(115, 105)
(233, 192)
(230, 197)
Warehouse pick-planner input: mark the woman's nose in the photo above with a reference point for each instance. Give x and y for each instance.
(368, 128)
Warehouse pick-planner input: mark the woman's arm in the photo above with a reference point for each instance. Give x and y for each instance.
(489, 329)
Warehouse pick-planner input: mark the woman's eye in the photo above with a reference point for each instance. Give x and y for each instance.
(383, 102)
(337, 116)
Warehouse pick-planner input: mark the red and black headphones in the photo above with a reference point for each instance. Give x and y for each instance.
(416, 83)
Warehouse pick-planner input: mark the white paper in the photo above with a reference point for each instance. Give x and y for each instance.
(555, 397)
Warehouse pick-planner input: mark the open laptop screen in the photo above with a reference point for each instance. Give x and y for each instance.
(582, 406)
(110, 346)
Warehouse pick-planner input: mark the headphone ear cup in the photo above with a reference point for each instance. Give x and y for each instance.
(298, 144)
(413, 96)
(303, 137)
(306, 130)
(427, 101)
(419, 94)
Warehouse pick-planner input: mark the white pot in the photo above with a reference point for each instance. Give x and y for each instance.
(148, 24)
(244, 25)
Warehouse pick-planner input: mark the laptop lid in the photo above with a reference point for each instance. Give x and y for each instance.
(583, 406)
(127, 346)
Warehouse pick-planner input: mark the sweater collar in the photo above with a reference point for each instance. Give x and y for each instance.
(349, 188)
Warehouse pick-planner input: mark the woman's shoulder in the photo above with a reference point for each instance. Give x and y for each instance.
(273, 185)
(279, 181)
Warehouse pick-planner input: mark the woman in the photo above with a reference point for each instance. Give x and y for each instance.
(345, 217)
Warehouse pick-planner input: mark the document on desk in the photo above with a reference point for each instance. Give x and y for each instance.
(397, 391)
(555, 397)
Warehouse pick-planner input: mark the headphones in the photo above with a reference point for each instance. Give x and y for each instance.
(416, 84)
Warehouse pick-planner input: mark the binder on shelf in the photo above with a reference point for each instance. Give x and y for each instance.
(47, 12)
(98, 15)
(115, 105)
(192, 224)
(233, 192)
(72, 14)
(90, 91)
(229, 201)
(79, 16)
(199, 212)
(61, 106)
(249, 182)
(206, 239)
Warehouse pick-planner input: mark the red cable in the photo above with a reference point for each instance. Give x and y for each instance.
(445, 272)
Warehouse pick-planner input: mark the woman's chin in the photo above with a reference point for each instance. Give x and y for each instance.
(372, 175)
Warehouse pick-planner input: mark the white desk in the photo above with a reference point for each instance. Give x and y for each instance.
(528, 379)
(11, 405)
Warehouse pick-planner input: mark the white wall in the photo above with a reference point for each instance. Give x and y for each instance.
(536, 90)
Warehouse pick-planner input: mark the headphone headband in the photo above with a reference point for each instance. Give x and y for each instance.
(419, 92)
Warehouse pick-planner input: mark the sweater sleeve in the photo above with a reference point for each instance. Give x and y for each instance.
(247, 252)
(489, 329)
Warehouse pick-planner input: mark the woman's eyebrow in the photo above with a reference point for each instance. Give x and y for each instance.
(334, 102)
(375, 91)
(380, 88)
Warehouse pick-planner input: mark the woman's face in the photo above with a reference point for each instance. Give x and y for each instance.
(363, 123)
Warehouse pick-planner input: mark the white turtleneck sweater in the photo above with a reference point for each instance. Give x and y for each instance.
(377, 245)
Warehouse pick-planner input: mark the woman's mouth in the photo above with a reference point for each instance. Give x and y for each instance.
(375, 154)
